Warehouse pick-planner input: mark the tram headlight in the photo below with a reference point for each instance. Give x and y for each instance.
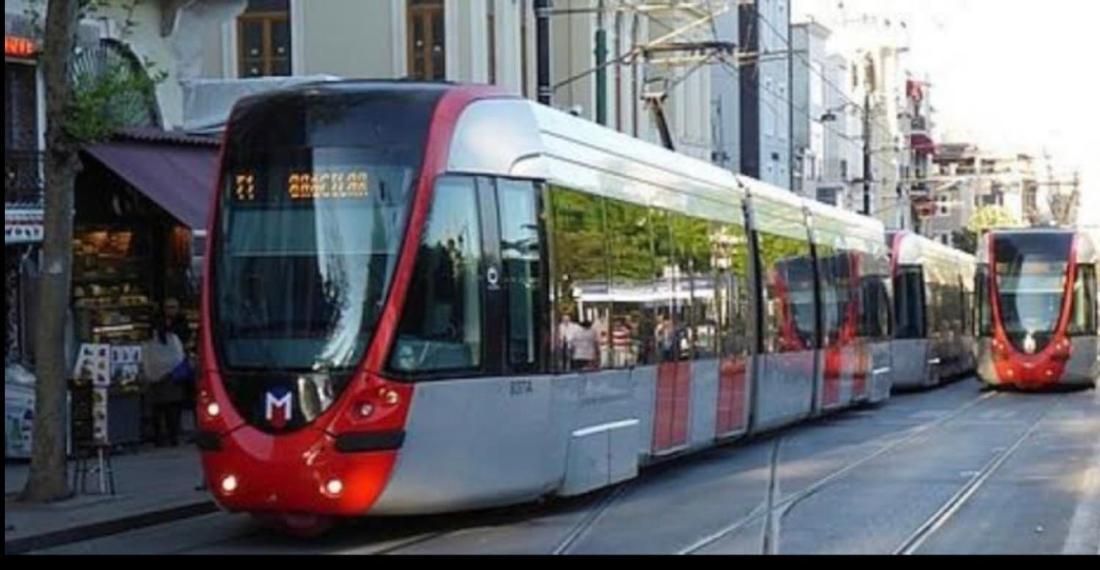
(365, 410)
(334, 487)
(213, 409)
(389, 397)
(229, 484)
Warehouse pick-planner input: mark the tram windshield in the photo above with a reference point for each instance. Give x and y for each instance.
(1031, 274)
(315, 197)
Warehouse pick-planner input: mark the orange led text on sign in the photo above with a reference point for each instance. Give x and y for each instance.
(15, 46)
(321, 185)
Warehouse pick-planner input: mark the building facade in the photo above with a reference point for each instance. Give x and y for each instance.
(843, 136)
(765, 93)
(726, 99)
(922, 149)
(809, 109)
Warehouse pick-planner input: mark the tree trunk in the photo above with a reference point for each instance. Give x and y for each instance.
(48, 479)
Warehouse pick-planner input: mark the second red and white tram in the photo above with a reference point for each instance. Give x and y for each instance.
(424, 298)
(933, 311)
(1038, 313)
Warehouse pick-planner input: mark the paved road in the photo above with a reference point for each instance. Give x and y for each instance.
(952, 470)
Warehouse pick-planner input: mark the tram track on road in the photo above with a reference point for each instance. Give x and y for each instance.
(929, 527)
(582, 528)
(575, 533)
(773, 511)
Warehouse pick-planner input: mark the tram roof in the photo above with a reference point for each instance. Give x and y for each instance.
(915, 248)
(539, 141)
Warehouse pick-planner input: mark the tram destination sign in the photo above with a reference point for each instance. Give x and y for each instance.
(305, 185)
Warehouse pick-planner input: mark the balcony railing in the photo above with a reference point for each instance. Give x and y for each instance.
(22, 178)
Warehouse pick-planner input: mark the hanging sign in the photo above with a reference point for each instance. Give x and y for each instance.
(17, 46)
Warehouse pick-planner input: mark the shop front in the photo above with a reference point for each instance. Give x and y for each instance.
(22, 241)
(141, 205)
(22, 228)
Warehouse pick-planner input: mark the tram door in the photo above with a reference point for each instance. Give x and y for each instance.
(514, 278)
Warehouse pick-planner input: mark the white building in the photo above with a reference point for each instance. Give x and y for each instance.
(876, 51)
(808, 106)
(843, 137)
(475, 41)
(765, 91)
(726, 100)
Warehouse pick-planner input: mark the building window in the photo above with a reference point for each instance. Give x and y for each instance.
(263, 38)
(426, 33)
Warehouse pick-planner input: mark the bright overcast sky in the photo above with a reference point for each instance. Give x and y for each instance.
(1005, 74)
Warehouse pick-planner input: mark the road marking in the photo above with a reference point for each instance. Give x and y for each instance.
(1084, 527)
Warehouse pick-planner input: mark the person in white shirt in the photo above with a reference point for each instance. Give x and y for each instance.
(159, 357)
(567, 333)
(586, 348)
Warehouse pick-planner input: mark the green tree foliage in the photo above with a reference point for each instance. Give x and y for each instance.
(992, 217)
(965, 240)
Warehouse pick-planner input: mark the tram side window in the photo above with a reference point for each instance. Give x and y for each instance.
(581, 282)
(964, 307)
(985, 315)
(875, 312)
(521, 257)
(732, 293)
(832, 273)
(934, 310)
(885, 315)
(951, 316)
(909, 293)
(1083, 322)
(789, 305)
(441, 326)
(631, 251)
(694, 242)
(668, 330)
(952, 308)
(674, 239)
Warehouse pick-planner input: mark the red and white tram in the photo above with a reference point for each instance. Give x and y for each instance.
(933, 311)
(390, 269)
(1038, 315)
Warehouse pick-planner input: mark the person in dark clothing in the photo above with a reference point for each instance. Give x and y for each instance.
(176, 322)
(161, 357)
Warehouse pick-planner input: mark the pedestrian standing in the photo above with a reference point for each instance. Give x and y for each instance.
(160, 359)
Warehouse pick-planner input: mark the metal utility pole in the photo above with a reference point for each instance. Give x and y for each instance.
(542, 50)
(601, 66)
(867, 170)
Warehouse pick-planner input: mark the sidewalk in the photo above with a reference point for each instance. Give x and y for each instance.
(153, 487)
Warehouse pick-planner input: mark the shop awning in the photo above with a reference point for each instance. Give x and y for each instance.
(175, 171)
(922, 143)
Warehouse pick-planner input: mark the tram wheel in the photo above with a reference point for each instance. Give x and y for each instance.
(298, 525)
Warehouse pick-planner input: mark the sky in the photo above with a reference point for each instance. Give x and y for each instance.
(1006, 74)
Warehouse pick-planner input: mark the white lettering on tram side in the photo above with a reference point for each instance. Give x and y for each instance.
(520, 387)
